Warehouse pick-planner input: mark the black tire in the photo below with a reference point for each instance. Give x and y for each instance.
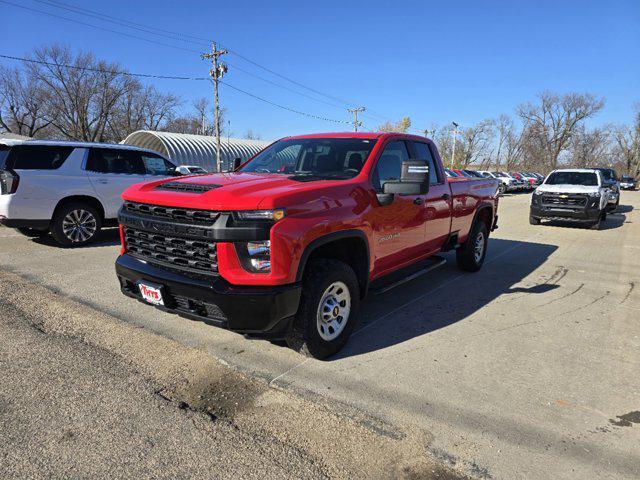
(502, 189)
(466, 255)
(598, 223)
(91, 223)
(305, 337)
(534, 220)
(31, 232)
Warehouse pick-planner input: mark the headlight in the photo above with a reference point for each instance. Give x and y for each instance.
(262, 215)
(593, 194)
(537, 192)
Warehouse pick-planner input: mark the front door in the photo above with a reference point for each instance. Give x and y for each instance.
(111, 171)
(398, 228)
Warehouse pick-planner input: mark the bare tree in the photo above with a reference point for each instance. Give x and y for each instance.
(552, 121)
(22, 103)
(199, 122)
(250, 135)
(401, 126)
(589, 148)
(627, 147)
(81, 100)
(475, 143)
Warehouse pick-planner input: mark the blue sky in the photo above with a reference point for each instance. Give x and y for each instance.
(434, 61)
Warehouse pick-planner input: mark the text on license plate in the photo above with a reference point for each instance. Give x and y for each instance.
(151, 294)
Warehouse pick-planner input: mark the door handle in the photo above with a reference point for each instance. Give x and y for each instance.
(418, 201)
(445, 196)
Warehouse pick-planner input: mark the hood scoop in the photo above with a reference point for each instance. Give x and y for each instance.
(187, 187)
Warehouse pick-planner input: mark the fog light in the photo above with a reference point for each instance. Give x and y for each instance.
(259, 254)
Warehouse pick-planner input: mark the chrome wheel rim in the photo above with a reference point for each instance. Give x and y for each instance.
(478, 247)
(333, 311)
(79, 225)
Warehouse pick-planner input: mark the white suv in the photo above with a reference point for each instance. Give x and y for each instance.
(70, 189)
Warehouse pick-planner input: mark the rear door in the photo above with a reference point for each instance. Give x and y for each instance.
(111, 171)
(437, 202)
(398, 228)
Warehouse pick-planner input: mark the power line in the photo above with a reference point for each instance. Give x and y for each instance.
(146, 30)
(172, 77)
(154, 31)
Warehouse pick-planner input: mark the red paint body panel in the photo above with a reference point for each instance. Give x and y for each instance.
(398, 234)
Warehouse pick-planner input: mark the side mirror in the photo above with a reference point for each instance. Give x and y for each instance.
(236, 163)
(414, 179)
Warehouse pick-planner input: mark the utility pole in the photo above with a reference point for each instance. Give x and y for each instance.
(217, 72)
(455, 135)
(355, 112)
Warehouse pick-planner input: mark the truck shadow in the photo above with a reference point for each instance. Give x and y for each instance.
(614, 220)
(448, 295)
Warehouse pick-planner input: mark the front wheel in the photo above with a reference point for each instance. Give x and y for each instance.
(328, 309)
(534, 220)
(470, 255)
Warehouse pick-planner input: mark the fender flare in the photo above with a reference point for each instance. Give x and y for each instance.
(483, 206)
(331, 237)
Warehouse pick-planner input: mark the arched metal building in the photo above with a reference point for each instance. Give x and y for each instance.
(187, 149)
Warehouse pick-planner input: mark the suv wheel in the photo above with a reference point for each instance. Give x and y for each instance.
(470, 255)
(75, 224)
(598, 223)
(328, 309)
(534, 220)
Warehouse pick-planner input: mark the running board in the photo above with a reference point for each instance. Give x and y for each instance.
(434, 262)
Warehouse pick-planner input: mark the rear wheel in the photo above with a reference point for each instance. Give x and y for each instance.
(470, 256)
(328, 308)
(75, 224)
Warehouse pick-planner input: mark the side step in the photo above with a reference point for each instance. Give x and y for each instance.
(396, 279)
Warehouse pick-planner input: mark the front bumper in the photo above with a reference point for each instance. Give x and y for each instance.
(627, 186)
(260, 311)
(566, 213)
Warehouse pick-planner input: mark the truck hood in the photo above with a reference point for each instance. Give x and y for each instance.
(568, 188)
(232, 191)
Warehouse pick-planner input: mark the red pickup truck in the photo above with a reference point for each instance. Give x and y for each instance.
(289, 243)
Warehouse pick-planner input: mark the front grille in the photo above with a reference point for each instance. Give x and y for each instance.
(183, 215)
(177, 253)
(187, 187)
(565, 201)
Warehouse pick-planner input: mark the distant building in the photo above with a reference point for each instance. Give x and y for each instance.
(187, 149)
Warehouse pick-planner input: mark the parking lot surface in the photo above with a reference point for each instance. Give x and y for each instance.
(527, 369)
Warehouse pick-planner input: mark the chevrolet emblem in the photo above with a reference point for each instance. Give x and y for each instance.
(564, 196)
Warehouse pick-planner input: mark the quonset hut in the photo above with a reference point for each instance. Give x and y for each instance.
(187, 149)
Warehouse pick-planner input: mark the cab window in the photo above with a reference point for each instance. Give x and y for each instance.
(423, 152)
(389, 166)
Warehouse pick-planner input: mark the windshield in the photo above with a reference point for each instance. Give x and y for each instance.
(573, 178)
(608, 174)
(338, 158)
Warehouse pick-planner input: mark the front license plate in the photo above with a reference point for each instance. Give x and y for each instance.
(151, 294)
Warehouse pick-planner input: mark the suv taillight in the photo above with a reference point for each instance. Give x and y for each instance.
(8, 182)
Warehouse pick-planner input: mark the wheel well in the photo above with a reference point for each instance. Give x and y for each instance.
(351, 250)
(485, 214)
(92, 201)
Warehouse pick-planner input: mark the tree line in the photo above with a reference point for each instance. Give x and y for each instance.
(94, 101)
(97, 101)
(547, 133)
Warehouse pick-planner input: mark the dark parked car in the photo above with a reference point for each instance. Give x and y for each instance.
(627, 182)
